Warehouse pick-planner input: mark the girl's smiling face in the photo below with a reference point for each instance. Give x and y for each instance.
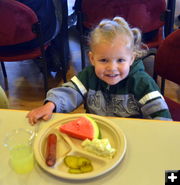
(112, 60)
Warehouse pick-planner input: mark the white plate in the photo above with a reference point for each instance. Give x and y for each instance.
(70, 146)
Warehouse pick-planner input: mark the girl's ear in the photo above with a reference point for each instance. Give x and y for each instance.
(91, 57)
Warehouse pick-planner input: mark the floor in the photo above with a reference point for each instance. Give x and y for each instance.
(24, 86)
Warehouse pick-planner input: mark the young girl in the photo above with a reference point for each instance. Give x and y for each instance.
(116, 83)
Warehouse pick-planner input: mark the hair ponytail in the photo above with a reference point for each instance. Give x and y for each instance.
(108, 29)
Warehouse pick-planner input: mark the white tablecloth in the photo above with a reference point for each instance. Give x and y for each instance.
(152, 148)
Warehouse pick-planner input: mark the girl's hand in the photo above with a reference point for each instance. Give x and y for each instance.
(44, 112)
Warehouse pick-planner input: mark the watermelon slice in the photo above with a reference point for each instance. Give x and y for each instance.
(81, 128)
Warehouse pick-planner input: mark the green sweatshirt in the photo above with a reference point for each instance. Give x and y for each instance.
(136, 96)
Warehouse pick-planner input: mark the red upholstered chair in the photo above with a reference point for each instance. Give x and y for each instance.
(19, 25)
(167, 65)
(149, 16)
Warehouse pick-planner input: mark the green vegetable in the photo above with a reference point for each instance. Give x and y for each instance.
(86, 168)
(83, 161)
(75, 171)
(78, 164)
(71, 161)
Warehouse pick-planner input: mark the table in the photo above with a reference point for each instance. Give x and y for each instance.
(152, 148)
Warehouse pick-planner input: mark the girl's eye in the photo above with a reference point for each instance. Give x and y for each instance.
(120, 60)
(103, 60)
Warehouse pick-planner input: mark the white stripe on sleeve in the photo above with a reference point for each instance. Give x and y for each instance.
(150, 96)
(79, 85)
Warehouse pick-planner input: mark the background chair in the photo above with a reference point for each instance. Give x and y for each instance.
(149, 16)
(20, 27)
(167, 63)
(62, 39)
(3, 99)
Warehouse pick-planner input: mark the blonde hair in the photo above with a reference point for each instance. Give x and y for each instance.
(109, 29)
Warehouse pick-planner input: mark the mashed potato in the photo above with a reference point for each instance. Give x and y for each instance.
(101, 147)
